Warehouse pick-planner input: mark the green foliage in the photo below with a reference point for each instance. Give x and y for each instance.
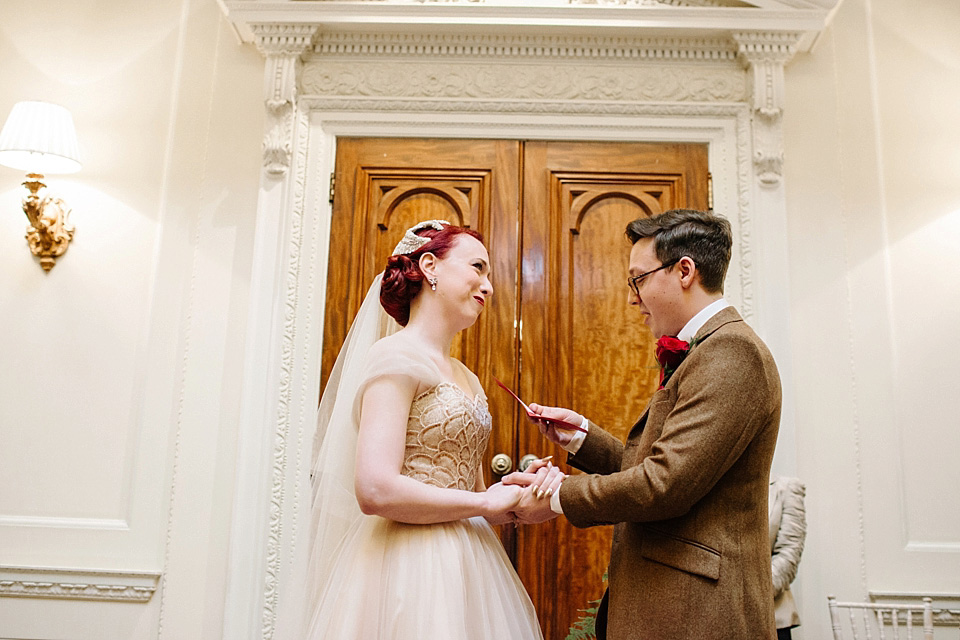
(585, 626)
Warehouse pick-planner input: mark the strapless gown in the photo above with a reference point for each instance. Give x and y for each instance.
(447, 581)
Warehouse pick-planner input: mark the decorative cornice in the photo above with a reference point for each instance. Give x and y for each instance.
(78, 584)
(523, 46)
(688, 18)
(765, 54)
(283, 39)
(779, 45)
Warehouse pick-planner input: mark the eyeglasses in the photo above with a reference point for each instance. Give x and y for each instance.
(636, 281)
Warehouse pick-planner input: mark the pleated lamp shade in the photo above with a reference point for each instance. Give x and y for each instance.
(39, 137)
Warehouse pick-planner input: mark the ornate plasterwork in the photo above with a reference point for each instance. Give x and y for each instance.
(539, 47)
(764, 55)
(279, 499)
(282, 45)
(523, 82)
(72, 584)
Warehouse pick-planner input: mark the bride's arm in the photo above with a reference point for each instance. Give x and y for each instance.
(380, 487)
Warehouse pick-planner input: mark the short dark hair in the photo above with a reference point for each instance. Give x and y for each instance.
(704, 237)
(402, 277)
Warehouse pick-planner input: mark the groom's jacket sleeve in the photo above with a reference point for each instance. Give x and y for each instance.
(695, 429)
(604, 455)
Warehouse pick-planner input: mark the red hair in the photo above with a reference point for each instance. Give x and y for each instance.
(403, 279)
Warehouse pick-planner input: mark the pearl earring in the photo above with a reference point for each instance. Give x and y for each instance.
(433, 283)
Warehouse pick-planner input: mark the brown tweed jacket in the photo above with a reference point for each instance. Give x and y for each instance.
(687, 496)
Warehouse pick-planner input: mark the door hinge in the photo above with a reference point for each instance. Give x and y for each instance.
(709, 192)
(333, 186)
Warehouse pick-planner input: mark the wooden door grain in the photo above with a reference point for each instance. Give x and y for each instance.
(583, 346)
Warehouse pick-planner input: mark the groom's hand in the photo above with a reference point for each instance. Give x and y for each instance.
(533, 510)
(561, 437)
(541, 478)
(540, 481)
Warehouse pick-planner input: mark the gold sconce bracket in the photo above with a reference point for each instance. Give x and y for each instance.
(49, 232)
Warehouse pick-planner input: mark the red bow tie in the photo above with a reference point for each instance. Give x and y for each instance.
(670, 353)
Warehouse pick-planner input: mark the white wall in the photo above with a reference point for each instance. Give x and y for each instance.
(119, 394)
(121, 375)
(872, 140)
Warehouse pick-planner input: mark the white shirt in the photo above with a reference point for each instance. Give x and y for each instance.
(686, 334)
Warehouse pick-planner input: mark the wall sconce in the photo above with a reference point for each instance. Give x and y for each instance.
(39, 138)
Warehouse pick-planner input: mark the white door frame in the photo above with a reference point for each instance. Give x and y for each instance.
(307, 110)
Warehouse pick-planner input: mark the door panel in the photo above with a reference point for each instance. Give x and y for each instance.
(583, 346)
(559, 326)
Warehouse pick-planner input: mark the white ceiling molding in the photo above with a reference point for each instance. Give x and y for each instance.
(649, 18)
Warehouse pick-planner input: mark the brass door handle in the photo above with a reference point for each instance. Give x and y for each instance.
(501, 464)
(526, 461)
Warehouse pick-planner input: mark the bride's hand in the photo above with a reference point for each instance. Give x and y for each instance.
(500, 500)
(541, 477)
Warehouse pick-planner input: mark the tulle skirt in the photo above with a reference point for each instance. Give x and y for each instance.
(449, 581)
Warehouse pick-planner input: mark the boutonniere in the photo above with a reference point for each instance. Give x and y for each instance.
(670, 353)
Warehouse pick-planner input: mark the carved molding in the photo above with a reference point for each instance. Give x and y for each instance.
(279, 498)
(764, 55)
(282, 45)
(283, 39)
(524, 83)
(522, 46)
(73, 584)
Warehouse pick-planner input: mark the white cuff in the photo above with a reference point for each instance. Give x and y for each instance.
(577, 440)
(555, 501)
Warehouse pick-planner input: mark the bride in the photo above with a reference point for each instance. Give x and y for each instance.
(403, 546)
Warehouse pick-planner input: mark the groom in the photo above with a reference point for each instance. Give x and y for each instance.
(687, 493)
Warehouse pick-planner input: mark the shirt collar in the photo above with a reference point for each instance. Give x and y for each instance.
(690, 329)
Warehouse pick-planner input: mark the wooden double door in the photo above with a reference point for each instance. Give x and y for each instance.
(559, 327)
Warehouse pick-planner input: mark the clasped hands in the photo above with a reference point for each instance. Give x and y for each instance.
(526, 494)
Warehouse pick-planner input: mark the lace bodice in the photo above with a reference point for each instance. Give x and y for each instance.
(447, 433)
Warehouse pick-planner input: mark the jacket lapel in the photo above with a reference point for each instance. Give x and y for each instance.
(720, 318)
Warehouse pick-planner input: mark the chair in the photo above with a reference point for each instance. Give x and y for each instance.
(868, 621)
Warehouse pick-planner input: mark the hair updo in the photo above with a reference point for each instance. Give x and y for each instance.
(403, 279)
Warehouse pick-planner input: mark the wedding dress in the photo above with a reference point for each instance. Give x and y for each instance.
(372, 578)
